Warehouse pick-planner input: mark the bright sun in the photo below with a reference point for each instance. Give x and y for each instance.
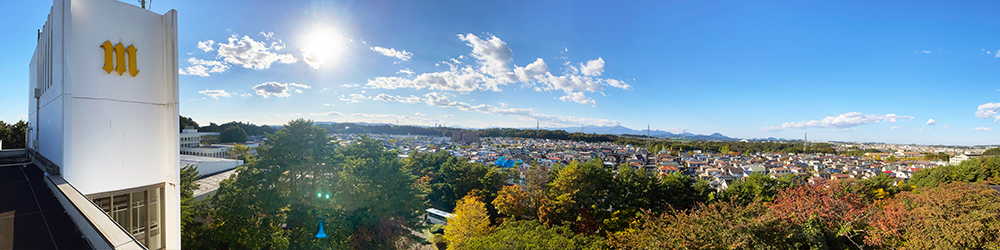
(322, 47)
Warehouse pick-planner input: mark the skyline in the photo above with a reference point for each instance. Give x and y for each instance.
(897, 72)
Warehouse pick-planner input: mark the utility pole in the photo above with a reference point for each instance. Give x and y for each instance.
(805, 140)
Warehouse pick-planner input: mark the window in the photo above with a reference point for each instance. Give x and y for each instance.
(138, 211)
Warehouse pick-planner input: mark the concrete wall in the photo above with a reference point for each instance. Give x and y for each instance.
(106, 131)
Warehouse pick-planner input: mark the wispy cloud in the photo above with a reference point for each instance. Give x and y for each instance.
(277, 89)
(405, 71)
(390, 52)
(331, 113)
(353, 98)
(845, 120)
(203, 67)
(896, 127)
(214, 93)
(983, 129)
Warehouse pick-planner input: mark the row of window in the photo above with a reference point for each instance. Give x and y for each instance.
(138, 211)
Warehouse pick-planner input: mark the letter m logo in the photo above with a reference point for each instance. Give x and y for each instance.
(110, 60)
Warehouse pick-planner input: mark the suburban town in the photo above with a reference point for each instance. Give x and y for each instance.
(719, 169)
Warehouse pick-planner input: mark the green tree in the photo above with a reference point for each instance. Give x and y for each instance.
(233, 134)
(380, 201)
(758, 186)
(13, 134)
(683, 192)
(212, 127)
(239, 151)
(194, 234)
(992, 151)
(299, 179)
(632, 191)
(187, 122)
(529, 234)
(470, 220)
(578, 195)
(972, 170)
(248, 210)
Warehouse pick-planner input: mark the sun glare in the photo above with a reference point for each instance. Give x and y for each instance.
(322, 46)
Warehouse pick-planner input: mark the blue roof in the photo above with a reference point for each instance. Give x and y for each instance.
(504, 163)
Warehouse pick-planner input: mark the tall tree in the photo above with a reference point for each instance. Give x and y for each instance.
(578, 195)
(13, 134)
(194, 234)
(233, 134)
(471, 220)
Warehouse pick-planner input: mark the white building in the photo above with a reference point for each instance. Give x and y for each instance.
(104, 116)
(191, 138)
(958, 159)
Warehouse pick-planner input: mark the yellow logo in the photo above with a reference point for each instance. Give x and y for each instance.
(119, 50)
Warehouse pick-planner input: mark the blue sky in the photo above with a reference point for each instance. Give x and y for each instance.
(839, 70)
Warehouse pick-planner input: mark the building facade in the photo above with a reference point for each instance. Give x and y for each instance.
(104, 111)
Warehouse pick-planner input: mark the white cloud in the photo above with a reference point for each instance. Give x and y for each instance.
(983, 129)
(390, 52)
(442, 101)
(493, 69)
(331, 113)
(354, 98)
(252, 54)
(845, 120)
(593, 67)
(989, 110)
(203, 67)
(419, 114)
(851, 129)
(206, 45)
(578, 97)
(493, 56)
(946, 126)
(925, 51)
(405, 71)
(386, 98)
(197, 70)
(896, 127)
(214, 93)
(445, 116)
(931, 122)
(277, 89)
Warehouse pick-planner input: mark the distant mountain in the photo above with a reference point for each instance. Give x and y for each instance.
(622, 130)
